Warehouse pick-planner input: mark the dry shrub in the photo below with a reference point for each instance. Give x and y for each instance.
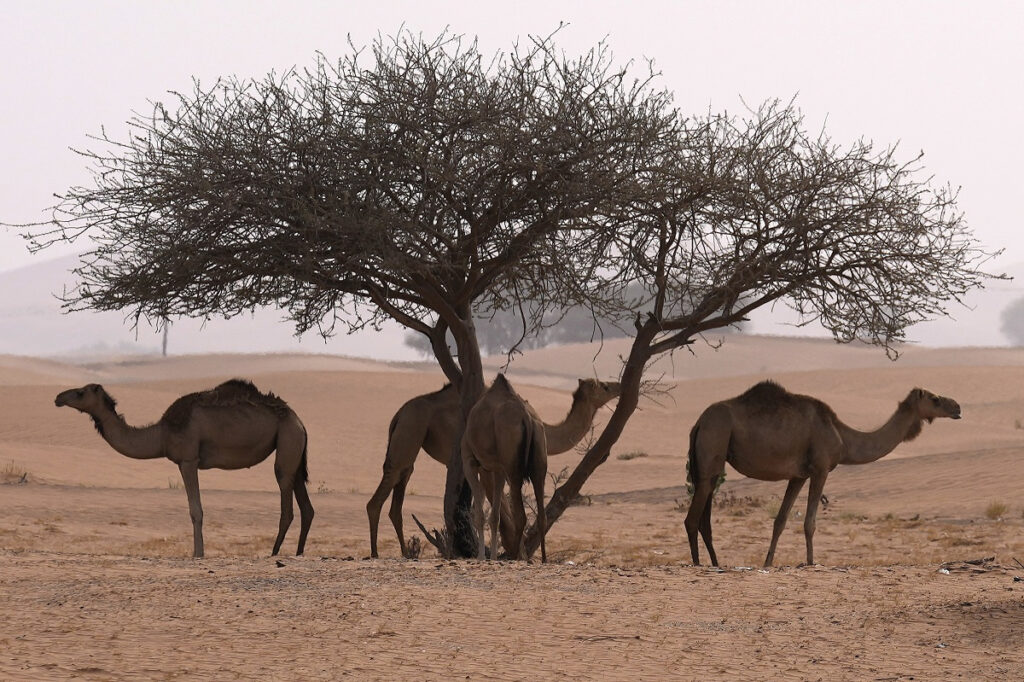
(632, 454)
(12, 472)
(996, 510)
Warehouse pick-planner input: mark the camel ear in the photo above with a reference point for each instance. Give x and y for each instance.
(580, 382)
(918, 394)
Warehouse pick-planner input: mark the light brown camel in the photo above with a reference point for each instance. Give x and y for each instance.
(431, 422)
(232, 426)
(771, 434)
(505, 441)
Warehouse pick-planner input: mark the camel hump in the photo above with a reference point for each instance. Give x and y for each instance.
(766, 393)
(231, 393)
(768, 396)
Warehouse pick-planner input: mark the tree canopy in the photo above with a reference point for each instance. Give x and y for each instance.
(423, 181)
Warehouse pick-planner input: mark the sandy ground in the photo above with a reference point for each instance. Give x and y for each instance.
(96, 583)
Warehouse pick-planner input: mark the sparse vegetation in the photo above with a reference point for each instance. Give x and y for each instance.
(556, 478)
(632, 454)
(996, 510)
(963, 542)
(174, 483)
(13, 472)
(322, 488)
(730, 502)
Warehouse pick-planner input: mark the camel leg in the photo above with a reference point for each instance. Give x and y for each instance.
(287, 511)
(305, 514)
(538, 475)
(792, 490)
(515, 493)
(705, 530)
(508, 540)
(473, 474)
(496, 492)
(702, 493)
(813, 497)
(395, 513)
(387, 483)
(190, 477)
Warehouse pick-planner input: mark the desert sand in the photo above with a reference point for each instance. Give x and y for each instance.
(97, 583)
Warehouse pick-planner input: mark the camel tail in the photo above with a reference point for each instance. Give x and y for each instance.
(692, 456)
(526, 446)
(303, 473)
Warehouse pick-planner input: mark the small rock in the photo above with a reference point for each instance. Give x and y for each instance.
(280, 564)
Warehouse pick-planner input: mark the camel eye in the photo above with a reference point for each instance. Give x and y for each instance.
(935, 400)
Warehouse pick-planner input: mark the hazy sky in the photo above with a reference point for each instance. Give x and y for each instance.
(943, 77)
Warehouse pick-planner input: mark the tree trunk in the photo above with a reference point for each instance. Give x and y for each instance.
(457, 494)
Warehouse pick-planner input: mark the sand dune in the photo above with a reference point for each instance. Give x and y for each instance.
(94, 540)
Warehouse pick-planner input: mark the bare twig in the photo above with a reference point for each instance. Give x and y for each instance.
(434, 537)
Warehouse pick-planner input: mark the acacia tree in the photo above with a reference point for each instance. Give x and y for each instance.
(430, 181)
(435, 182)
(758, 211)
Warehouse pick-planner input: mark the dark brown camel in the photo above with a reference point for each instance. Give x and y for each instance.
(504, 441)
(232, 426)
(771, 434)
(430, 422)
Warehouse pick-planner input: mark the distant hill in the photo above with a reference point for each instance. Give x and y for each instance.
(32, 323)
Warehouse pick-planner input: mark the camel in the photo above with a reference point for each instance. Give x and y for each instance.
(771, 434)
(505, 441)
(232, 426)
(431, 422)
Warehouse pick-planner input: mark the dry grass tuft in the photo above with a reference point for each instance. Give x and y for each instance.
(13, 473)
(996, 510)
(174, 484)
(632, 454)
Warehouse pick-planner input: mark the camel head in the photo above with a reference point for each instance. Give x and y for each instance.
(91, 399)
(597, 393)
(929, 406)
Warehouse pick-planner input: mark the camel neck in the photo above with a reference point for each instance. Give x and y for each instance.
(863, 447)
(136, 443)
(564, 436)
